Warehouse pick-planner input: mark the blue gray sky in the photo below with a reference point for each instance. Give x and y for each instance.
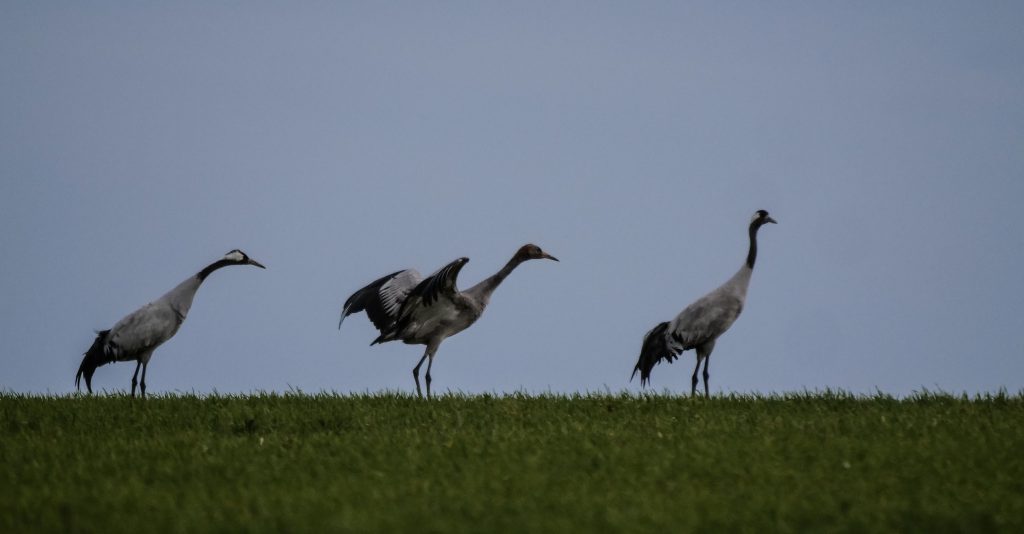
(339, 141)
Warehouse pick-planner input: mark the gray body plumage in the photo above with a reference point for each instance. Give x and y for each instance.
(701, 323)
(425, 311)
(425, 324)
(138, 334)
(711, 315)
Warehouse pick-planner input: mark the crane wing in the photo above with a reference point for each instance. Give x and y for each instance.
(428, 291)
(382, 298)
(704, 320)
(142, 330)
(700, 323)
(441, 283)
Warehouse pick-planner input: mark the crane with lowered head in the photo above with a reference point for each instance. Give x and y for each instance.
(138, 334)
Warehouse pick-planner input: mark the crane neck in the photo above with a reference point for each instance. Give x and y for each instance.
(484, 289)
(752, 253)
(213, 267)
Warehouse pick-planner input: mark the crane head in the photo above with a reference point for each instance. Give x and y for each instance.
(238, 257)
(533, 252)
(761, 217)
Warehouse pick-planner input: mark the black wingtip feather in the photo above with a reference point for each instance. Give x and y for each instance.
(344, 313)
(94, 357)
(368, 299)
(655, 349)
(443, 281)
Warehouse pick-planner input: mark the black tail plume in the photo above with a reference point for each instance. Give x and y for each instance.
(654, 350)
(94, 357)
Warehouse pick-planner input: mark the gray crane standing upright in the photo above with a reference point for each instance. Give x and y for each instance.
(425, 311)
(138, 334)
(701, 323)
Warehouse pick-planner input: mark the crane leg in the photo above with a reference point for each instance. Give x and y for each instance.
(416, 374)
(142, 383)
(693, 381)
(706, 375)
(134, 377)
(430, 362)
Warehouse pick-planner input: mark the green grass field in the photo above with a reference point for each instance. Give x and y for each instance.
(511, 463)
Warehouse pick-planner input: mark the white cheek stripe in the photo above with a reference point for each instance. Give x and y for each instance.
(233, 256)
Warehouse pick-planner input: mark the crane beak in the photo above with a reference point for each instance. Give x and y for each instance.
(770, 220)
(255, 263)
(548, 256)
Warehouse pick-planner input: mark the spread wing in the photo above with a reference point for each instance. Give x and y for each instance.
(441, 284)
(382, 299)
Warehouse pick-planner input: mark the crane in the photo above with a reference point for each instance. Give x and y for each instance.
(425, 311)
(700, 324)
(139, 333)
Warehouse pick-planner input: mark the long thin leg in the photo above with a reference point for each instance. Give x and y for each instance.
(703, 353)
(142, 384)
(693, 381)
(416, 374)
(430, 362)
(706, 360)
(134, 376)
